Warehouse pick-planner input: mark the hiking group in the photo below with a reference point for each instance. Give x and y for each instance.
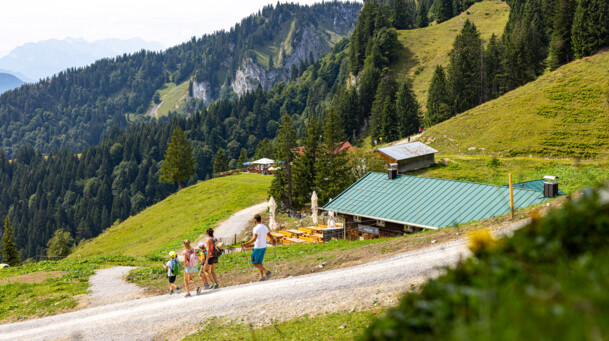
(209, 254)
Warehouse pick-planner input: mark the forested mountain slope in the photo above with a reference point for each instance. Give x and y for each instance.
(425, 48)
(561, 114)
(76, 107)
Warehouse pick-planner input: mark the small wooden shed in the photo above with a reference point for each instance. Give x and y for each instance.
(408, 156)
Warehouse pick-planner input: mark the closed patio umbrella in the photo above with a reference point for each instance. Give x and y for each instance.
(314, 207)
(272, 208)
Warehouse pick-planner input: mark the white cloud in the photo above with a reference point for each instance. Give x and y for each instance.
(167, 22)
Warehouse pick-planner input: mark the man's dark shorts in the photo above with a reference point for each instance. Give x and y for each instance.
(171, 279)
(212, 261)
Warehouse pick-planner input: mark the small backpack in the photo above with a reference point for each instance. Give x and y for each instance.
(175, 267)
(194, 260)
(218, 248)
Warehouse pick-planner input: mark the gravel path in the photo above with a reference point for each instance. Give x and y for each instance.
(238, 222)
(343, 289)
(109, 286)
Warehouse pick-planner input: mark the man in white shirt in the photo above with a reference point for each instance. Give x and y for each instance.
(259, 242)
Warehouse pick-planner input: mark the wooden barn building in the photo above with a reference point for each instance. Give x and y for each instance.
(408, 156)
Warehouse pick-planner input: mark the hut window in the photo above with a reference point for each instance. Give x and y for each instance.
(380, 223)
(357, 219)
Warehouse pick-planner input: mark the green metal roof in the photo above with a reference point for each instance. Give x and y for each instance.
(428, 202)
(535, 185)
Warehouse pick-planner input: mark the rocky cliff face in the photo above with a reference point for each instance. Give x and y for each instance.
(202, 90)
(250, 73)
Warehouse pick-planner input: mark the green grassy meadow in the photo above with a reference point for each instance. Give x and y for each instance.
(563, 114)
(425, 48)
(171, 95)
(336, 326)
(185, 214)
(22, 299)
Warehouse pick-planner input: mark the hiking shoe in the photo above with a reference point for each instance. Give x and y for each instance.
(198, 290)
(178, 290)
(214, 286)
(170, 292)
(207, 286)
(268, 275)
(262, 279)
(187, 295)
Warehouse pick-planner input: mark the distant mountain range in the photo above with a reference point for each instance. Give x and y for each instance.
(8, 82)
(45, 58)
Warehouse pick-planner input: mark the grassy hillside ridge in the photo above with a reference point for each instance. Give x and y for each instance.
(182, 215)
(561, 114)
(425, 48)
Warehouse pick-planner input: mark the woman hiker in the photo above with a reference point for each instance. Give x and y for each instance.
(259, 242)
(212, 259)
(190, 267)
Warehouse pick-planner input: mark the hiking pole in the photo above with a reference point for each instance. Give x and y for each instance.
(246, 259)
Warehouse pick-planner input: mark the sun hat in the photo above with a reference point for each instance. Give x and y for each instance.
(201, 244)
(172, 254)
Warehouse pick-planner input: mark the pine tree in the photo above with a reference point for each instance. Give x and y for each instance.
(10, 255)
(400, 15)
(220, 161)
(561, 51)
(271, 64)
(346, 103)
(444, 10)
(438, 100)
(281, 187)
(464, 70)
(332, 168)
(60, 245)
(304, 164)
(384, 103)
(179, 164)
(407, 109)
(493, 62)
(242, 158)
(590, 30)
(422, 18)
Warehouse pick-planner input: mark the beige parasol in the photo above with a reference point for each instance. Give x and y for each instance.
(272, 208)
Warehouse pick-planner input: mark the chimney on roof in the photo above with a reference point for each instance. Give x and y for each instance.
(550, 186)
(392, 171)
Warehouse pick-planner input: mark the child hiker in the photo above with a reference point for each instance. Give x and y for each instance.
(190, 267)
(259, 242)
(203, 258)
(172, 267)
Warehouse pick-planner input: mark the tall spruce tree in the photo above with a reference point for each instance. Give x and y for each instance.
(383, 105)
(438, 100)
(400, 15)
(179, 164)
(242, 158)
(464, 70)
(282, 185)
(304, 164)
(10, 255)
(444, 10)
(332, 173)
(347, 106)
(407, 109)
(220, 161)
(422, 18)
(590, 30)
(561, 49)
(493, 62)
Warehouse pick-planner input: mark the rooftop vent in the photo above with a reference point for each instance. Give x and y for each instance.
(392, 171)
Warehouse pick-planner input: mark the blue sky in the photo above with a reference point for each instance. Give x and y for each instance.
(168, 22)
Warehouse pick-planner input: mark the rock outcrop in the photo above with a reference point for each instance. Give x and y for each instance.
(202, 90)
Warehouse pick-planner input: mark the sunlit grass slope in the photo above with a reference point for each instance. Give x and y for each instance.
(172, 96)
(561, 114)
(182, 215)
(425, 48)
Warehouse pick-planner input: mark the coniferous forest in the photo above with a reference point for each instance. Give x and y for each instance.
(71, 160)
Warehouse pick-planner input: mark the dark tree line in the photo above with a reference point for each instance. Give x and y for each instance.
(540, 35)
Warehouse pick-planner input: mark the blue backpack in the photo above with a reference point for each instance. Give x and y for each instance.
(175, 267)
